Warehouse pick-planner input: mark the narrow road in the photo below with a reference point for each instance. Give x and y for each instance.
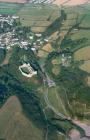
(48, 103)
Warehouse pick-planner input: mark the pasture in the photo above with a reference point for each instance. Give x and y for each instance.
(82, 54)
(81, 34)
(9, 8)
(56, 61)
(14, 125)
(56, 101)
(37, 15)
(42, 54)
(56, 70)
(78, 108)
(88, 80)
(14, 1)
(48, 48)
(86, 66)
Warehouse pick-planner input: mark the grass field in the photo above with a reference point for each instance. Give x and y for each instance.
(86, 66)
(9, 8)
(78, 15)
(55, 100)
(71, 20)
(14, 125)
(86, 21)
(81, 11)
(56, 66)
(14, 1)
(37, 15)
(81, 34)
(56, 69)
(56, 61)
(88, 80)
(48, 48)
(79, 108)
(42, 54)
(82, 54)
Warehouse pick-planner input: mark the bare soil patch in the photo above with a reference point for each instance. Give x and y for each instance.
(70, 2)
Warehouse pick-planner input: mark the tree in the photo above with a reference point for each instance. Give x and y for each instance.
(2, 54)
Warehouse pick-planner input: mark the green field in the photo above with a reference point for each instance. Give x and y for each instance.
(37, 15)
(82, 54)
(56, 101)
(77, 28)
(86, 66)
(9, 8)
(82, 34)
(26, 114)
(14, 125)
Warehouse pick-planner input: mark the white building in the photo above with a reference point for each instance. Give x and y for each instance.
(38, 35)
(15, 17)
(30, 70)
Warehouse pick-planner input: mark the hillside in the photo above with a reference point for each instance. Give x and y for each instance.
(14, 125)
(45, 72)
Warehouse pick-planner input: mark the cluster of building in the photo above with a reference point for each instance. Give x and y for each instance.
(10, 38)
(7, 19)
(7, 38)
(65, 60)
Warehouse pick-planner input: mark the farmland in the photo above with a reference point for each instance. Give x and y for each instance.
(9, 8)
(41, 107)
(14, 125)
(82, 54)
(86, 66)
(70, 3)
(88, 80)
(82, 34)
(56, 101)
(38, 16)
(14, 1)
